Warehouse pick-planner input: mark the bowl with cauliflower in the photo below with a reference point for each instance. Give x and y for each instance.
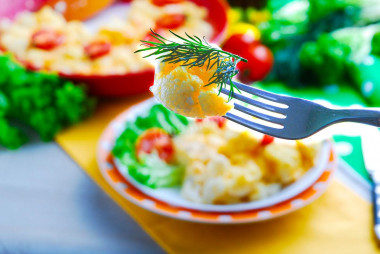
(210, 165)
(103, 56)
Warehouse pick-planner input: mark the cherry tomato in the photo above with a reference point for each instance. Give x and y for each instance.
(165, 2)
(260, 62)
(171, 21)
(237, 43)
(97, 49)
(46, 39)
(155, 139)
(267, 140)
(220, 121)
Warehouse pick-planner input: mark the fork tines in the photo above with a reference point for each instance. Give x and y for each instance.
(260, 104)
(257, 92)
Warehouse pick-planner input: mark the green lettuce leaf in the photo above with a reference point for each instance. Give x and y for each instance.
(150, 170)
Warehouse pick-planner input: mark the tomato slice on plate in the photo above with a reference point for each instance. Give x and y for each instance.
(171, 21)
(155, 139)
(46, 39)
(97, 49)
(165, 2)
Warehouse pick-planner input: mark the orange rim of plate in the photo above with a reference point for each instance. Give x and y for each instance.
(132, 194)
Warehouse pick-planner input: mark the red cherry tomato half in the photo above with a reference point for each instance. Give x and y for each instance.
(267, 140)
(97, 49)
(155, 139)
(237, 43)
(171, 21)
(46, 39)
(260, 62)
(220, 121)
(165, 2)
(149, 36)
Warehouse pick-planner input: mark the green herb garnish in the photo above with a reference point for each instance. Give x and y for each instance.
(194, 52)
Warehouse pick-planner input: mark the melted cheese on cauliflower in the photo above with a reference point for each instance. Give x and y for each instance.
(182, 90)
(225, 166)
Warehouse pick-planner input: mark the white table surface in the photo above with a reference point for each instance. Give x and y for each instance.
(49, 205)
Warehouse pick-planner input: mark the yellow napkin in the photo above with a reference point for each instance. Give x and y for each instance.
(338, 222)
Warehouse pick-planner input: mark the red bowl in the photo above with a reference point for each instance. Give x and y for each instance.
(139, 82)
(217, 17)
(115, 85)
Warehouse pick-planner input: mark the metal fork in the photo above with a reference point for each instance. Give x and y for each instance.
(300, 118)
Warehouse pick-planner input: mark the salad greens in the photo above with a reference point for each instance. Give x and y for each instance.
(324, 42)
(342, 56)
(286, 42)
(150, 170)
(375, 46)
(359, 39)
(11, 137)
(44, 102)
(155, 173)
(325, 60)
(365, 76)
(289, 19)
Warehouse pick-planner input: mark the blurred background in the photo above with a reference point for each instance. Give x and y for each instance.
(64, 63)
(313, 49)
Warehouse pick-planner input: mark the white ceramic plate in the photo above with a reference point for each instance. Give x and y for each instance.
(131, 193)
(172, 195)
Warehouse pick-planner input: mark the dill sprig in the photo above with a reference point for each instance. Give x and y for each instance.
(194, 52)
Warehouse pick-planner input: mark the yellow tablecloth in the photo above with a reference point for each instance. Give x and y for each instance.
(338, 222)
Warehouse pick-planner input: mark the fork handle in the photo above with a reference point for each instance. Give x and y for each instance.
(376, 202)
(366, 116)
